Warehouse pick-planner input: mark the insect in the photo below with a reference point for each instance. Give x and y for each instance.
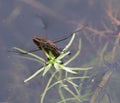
(46, 44)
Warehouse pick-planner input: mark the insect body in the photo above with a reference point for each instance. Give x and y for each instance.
(46, 44)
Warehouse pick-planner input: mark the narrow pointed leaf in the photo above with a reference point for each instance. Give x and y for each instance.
(47, 68)
(29, 53)
(70, 42)
(34, 75)
(63, 55)
(67, 69)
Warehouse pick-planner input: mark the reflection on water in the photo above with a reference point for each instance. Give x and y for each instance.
(18, 24)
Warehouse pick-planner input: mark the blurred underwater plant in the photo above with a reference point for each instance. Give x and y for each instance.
(61, 76)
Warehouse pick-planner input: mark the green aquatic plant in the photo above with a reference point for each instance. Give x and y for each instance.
(62, 76)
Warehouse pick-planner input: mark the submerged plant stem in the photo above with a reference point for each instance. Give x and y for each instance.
(47, 86)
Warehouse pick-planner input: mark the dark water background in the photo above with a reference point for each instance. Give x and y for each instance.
(20, 20)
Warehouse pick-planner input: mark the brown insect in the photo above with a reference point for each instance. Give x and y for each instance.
(46, 44)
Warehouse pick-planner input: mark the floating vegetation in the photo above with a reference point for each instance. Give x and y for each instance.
(62, 76)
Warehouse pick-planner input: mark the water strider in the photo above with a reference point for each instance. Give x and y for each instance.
(48, 45)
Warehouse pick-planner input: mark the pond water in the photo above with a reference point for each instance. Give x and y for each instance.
(20, 20)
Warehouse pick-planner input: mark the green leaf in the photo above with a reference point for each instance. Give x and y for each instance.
(67, 69)
(77, 68)
(57, 67)
(47, 68)
(72, 83)
(75, 55)
(62, 55)
(29, 53)
(70, 42)
(34, 75)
